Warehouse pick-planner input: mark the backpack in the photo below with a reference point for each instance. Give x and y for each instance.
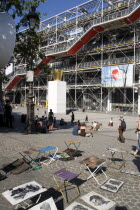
(123, 124)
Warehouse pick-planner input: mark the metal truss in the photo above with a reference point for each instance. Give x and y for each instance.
(116, 44)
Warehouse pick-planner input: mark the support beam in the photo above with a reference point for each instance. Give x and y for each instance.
(109, 100)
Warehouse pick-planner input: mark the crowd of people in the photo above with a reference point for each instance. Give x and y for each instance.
(45, 123)
(49, 122)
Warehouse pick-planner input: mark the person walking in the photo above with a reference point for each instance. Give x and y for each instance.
(72, 117)
(8, 115)
(121, 129)
(138, 136)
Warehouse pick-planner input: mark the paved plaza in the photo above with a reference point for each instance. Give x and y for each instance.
(13, 141)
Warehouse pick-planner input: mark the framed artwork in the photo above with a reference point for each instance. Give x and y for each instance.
(77, 206)
(112, 185)
(98, 201)
(48, 204)
(23, 192)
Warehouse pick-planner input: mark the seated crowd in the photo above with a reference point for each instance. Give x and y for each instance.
(81, 129)
(44, 124)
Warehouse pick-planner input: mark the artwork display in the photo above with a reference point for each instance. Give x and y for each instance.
(23, 192)
(48, 204)
(117, 76)
(135, 173)
(112, 185)
(98, 201)
(54, 157)
(77, 206)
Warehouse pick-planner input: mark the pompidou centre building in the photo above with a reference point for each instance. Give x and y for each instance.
(93, 47)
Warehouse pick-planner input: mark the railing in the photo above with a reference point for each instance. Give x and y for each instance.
(100, 63)
(95, 21)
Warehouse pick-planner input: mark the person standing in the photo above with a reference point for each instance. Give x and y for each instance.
(121, 129)
(8, 114)
(51, 115)
(72, 118)
(86, 119)
(138, 136)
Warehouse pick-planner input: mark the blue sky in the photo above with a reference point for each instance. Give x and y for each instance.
(54, 7)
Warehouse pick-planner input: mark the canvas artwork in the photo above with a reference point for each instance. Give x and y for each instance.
(112, 185)
(56, 157)
(23, 192)
(48, 204)
(77, 206)
(135, 173)
(64, 155)
(98, 201)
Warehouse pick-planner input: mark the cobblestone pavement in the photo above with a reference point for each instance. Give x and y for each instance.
(13, 141)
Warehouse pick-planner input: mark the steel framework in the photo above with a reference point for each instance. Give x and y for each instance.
(81, 41)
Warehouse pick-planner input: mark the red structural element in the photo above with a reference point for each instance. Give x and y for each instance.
(132, 17)
(15, 80)
(85, 39)
(43, 62)
(77, 46)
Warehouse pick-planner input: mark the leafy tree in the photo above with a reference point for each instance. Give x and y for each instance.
(28, 41)
(19, 8)
(27, 47)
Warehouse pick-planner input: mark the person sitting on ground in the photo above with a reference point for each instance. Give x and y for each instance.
(48, 123)
(79, 122)
(76, 128)
(44, 126)
(98, 126)
(62, 122)
(110, 122)
(93, 126)
(16, 106)
(54, 121)
(83, 129)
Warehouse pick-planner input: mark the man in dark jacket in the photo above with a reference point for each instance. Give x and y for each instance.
(8, 114)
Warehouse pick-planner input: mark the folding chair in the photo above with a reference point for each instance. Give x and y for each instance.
(37, 157)
(117, 154)
(68, 178)
(95, 163)
(75, 145)
(28, 157)
(50, 156)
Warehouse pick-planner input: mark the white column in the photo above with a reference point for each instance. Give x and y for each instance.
(57, 96)
(109, 100)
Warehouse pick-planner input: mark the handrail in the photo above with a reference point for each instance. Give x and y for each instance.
(96, 21)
